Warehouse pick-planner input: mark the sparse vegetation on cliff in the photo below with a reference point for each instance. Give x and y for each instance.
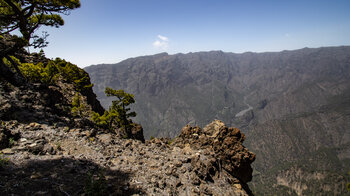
(119, 113)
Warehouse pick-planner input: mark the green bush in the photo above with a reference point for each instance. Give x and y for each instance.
(73, 74)
(78, 106)
(119, 113)
(49, 72)
(105, 121)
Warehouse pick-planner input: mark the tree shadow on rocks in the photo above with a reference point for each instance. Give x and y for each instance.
(64, 176)
(32, 102)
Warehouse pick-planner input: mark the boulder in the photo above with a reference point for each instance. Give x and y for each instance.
(137, 133)
(224, 144)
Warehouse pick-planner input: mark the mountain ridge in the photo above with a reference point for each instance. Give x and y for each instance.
(293, 94)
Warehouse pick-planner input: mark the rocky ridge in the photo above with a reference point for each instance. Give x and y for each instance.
(46, 159)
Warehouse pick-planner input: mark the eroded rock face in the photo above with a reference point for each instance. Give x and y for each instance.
(224, 144)
(137, 132)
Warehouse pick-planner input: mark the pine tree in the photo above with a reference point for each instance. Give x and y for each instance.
(26, 16)
(120, 107)
(119, 113)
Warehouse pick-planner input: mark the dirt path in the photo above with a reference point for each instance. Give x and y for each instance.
(241, 113)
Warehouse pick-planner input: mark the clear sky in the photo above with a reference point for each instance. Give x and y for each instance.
(108, 31)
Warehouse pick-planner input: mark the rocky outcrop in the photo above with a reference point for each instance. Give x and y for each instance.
(137, 132)
(224, 144)
(50, 160)
(42, 103)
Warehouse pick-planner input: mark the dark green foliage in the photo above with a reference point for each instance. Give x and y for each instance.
(25, 17)
(107, 120)
(78, 106)
(103, 121)
(43, 73)
(39, 73)
(119, 113)
(51, 71)
(73, 74)
(120, 106)
(47, 73)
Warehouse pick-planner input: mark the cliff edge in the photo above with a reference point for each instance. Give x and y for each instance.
(46, 149)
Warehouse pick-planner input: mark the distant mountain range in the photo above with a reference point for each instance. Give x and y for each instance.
(293, 106)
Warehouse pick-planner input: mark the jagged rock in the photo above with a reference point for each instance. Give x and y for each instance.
(4, 137)
(90, 133)
(36, 148)
(224, 145)
(34, 126)
(7, 151)
(48, 149)
(137, 132)
(154, 167)
(82, 122)
(105, 139)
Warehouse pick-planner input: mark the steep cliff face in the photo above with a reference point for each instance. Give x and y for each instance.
(42, 103)
(292, 105)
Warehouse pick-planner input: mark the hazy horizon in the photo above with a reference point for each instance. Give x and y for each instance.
(102, 63)
(110, 31)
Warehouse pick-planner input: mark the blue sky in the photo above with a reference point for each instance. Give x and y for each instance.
(108, 31)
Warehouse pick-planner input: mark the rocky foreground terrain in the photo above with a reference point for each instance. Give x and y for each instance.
(50, 160)
(45, 150)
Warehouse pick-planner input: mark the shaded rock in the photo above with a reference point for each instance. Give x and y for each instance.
(4, 137)
(36, 148)
(224, 150)
(48, 149)
(137, 132)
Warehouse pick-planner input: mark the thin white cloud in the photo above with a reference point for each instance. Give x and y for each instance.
(161, 43)
(163, 38)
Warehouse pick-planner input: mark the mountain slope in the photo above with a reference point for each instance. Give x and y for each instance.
(49, 146)
(292, 105)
